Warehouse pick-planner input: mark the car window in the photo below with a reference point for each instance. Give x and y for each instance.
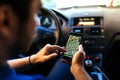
(79, 3)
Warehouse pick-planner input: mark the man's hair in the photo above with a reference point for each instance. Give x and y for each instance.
(20, 8)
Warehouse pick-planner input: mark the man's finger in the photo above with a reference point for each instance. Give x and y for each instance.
(55, 47)
(51, 56)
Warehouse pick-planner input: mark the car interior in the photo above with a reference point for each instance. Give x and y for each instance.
(99, 26)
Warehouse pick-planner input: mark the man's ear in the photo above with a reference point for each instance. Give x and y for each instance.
(4, 13)
(7, 21)
(3, 19)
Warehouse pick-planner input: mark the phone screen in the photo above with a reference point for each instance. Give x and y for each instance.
(72, 46)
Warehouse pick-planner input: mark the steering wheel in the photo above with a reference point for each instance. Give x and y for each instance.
(44, 34)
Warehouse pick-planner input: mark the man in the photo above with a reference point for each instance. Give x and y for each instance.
(17, 30)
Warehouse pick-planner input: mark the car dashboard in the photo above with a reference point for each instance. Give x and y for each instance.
(97, 25)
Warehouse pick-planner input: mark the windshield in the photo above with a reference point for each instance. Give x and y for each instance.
(78, 3)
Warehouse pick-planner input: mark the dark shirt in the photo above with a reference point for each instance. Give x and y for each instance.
(6, 73)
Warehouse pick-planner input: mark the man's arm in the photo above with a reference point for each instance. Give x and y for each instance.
(16, 63)
(47, 53)
(80, 73)
(77, 67)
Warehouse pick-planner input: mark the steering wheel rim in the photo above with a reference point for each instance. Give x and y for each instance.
(37, 45)
(34, 49)
(58, 31)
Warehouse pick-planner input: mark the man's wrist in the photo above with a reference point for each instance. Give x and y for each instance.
(29, 60)
(33, 59)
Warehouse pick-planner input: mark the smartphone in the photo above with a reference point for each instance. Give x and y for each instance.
(72, 45)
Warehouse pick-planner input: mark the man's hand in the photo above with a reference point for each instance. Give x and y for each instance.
(77, 66)
(78, 58)
(47, 53)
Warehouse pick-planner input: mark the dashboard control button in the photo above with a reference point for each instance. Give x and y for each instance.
(88, 63)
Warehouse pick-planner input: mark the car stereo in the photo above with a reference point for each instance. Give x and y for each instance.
(92, 31)
(87, 21)
(91, 28)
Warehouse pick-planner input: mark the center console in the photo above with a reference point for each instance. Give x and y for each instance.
(92, 31)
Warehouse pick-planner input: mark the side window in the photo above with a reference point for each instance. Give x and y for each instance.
(49, 3)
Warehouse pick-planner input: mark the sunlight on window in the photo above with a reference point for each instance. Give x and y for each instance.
(73, 3)
(70, 3)
(64, 3)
